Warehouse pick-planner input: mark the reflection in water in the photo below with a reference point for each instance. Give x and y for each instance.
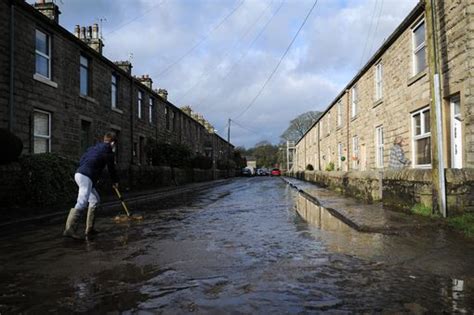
(391, 249)
(344, 239)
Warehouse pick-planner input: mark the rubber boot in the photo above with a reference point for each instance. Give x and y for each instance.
(72, 223)
(90, 221)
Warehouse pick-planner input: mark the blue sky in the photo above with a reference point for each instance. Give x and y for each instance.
(338, 38)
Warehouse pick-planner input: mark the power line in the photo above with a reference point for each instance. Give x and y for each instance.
(374, 10)
(149, 10)
(189, 51)
(206, 74)
(279, 62)
(201, 101)
(376, 27)
(246, 128)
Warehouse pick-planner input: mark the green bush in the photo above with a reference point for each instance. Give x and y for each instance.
(11, 146)
(330, 167)
(169, 154)
(48, 179)
(225, 164)
(202, 162)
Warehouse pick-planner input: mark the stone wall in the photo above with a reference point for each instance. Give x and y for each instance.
(398, 189)
(363, 185)
(13, 195)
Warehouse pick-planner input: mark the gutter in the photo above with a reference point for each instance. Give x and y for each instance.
(11, 102)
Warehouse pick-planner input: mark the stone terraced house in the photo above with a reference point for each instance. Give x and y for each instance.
(58, 93)
(390, 97)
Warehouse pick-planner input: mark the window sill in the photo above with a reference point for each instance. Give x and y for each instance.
(88, 98)
(416, 77)
(354, 117)
(117, 110)
(40, 78)
(377, 103)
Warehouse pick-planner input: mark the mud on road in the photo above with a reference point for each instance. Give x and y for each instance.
(252, 245)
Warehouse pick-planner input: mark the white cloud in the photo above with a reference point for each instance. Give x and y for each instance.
(326, 55)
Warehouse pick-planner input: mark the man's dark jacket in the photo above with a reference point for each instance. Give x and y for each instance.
(94, 161)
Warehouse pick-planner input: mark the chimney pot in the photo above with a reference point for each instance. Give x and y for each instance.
(49, 9)
(95, 31)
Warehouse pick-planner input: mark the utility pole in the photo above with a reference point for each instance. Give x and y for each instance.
(437, 158)
(228, 146)
(228, 130)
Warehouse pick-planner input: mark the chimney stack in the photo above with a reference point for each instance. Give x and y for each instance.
(187, 110)
(163, 93)
(145, 80)
(90, 36)
(48, 8)
(125, 66)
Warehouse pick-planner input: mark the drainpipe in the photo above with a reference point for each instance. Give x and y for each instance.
(131, 120)
(11, 103)
(348, 159)
(319, 147)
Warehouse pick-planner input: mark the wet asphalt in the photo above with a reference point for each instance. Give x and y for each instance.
(249, 246)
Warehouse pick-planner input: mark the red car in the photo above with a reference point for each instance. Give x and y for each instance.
(275, 172)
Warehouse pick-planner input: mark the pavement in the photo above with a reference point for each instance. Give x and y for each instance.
(18, 216)
(361, 216)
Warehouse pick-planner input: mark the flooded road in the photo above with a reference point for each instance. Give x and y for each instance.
(251, 245)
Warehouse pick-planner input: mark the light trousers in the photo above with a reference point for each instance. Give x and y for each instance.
(87, 195)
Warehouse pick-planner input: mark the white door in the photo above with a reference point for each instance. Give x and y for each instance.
(456, 134)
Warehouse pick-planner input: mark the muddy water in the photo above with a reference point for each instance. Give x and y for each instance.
(251, 246)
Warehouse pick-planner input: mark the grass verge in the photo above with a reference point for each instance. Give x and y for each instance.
(463, 223)
(423, 210)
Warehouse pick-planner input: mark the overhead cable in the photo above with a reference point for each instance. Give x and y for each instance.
(242, 56)
(206, 74)
(279, 62)
(189, 51)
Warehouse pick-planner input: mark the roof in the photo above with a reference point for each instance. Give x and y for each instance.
(405, 24)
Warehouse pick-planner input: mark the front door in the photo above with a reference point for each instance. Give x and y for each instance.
(456, 133)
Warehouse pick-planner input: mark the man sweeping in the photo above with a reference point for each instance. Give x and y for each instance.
(91, 165)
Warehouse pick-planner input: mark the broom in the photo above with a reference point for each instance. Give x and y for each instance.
(128, 217)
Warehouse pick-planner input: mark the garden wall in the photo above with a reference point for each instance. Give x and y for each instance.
(400, 189)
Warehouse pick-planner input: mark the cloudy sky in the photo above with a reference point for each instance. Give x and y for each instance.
(215, 55)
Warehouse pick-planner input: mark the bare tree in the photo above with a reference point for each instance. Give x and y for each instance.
(299, 126)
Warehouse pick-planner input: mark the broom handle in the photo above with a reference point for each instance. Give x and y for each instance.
(121, 200)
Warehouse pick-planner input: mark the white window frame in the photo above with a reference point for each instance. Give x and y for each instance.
(151, 104)
(418, 48)
(339, 114)
(328, 120)
(114, 91)
(139, 104)
(48, 56)
(379, 146)
(354, 101)
(339, 156)
(422, 135)
(355, 152)
(378, 81)
(48, 137)
(167, 119)
(87, 67)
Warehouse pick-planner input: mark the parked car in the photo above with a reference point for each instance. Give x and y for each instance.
(246, 172)
(262, 172)
(275, 172)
